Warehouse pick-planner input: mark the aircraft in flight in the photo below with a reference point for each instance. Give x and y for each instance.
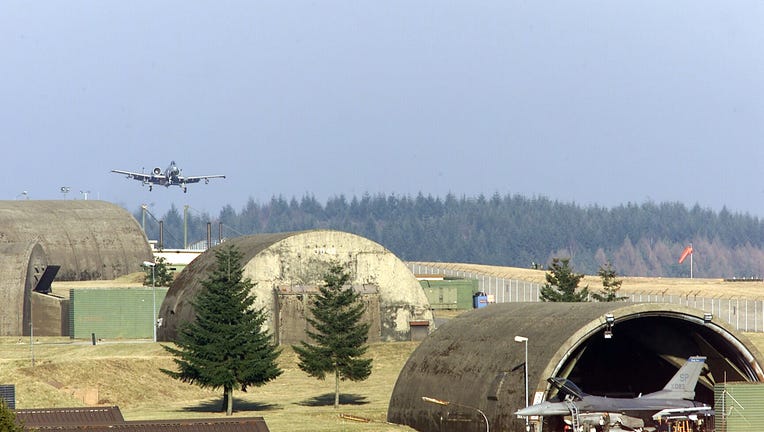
(171, 176)
(677, 396)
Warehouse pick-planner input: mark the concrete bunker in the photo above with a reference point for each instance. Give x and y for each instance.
(88, 239)
(474, 362)
(287, 268)
(65, 240)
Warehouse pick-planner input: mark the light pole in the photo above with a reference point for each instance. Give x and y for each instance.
(447, 403)
(524, 340)
(153, 299)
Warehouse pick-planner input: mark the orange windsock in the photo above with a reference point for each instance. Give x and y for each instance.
(685, 252)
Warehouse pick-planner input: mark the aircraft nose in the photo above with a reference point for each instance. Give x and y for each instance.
(527, 411)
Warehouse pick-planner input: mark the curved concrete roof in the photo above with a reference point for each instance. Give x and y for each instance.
(473, 359)
(89, 239)
(275, 261)
(20, 266)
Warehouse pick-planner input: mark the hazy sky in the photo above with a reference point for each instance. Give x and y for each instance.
(594, 102)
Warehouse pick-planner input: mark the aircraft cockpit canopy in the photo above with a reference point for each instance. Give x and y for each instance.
(566, 387)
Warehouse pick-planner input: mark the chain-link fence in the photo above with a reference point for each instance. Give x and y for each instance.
(743, 314)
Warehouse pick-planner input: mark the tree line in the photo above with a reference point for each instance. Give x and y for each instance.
(509, 230)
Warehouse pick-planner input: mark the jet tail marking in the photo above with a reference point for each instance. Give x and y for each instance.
(682, 384)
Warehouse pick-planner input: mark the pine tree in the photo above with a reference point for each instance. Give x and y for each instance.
(339, 336)
(610, 285)
(158, 275)
(8, 421)
(561, 284)
(225, 346)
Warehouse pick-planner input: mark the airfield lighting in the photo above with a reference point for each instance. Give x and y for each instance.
(153, 299)
(447, 403)
(610, 320)
(524, 340)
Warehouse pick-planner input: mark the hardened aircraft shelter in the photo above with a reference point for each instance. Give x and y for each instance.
(475, 363)
(288, 268)
(71, 240)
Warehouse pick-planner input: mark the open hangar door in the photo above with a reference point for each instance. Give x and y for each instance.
(646, 351)
(614, 349)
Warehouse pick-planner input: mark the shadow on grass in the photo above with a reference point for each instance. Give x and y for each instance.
(216, 406)
(328, 400)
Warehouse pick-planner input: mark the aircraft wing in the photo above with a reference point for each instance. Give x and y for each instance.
(134, 175)
(197, 179)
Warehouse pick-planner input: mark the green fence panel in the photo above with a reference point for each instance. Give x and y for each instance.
(124, 313)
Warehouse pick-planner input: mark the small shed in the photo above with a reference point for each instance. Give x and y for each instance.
(449, 293)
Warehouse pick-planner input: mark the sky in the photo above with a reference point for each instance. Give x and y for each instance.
(592, 102)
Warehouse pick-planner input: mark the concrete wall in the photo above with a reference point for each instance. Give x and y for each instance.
(292, 311)
(21, 265)
(50, 315)
(280, 260)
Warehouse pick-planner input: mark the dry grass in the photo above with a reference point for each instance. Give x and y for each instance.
(127, 374)
(717, 288)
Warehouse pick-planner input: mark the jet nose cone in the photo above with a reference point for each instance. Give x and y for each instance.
(527, 411)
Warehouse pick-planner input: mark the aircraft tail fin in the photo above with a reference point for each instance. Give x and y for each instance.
(682, 384)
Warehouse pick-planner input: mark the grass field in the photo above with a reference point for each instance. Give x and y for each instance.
(127, 374)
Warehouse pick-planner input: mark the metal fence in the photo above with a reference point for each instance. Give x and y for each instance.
(743, 314)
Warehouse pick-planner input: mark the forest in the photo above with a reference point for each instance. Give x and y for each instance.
(644, 239)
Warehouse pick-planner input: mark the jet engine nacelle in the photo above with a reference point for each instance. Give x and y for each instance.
(157, 171)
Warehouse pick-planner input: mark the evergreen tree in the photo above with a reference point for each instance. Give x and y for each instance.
(339, 336)
(561, 284)
(225, 346)
(8, 419)
(159, 275)
(610, 285)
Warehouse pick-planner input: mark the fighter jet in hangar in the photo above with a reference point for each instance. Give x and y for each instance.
(172, 176)
(629, 413)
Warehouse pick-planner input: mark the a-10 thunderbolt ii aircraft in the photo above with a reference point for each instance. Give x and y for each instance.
(171, 176)
(629, 413)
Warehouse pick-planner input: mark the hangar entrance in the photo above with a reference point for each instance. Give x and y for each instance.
(292, 309)
(641, 355)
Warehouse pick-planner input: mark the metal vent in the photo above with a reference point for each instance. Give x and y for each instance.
(8, 394)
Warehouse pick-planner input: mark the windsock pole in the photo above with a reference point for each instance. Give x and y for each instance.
(691, 262)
